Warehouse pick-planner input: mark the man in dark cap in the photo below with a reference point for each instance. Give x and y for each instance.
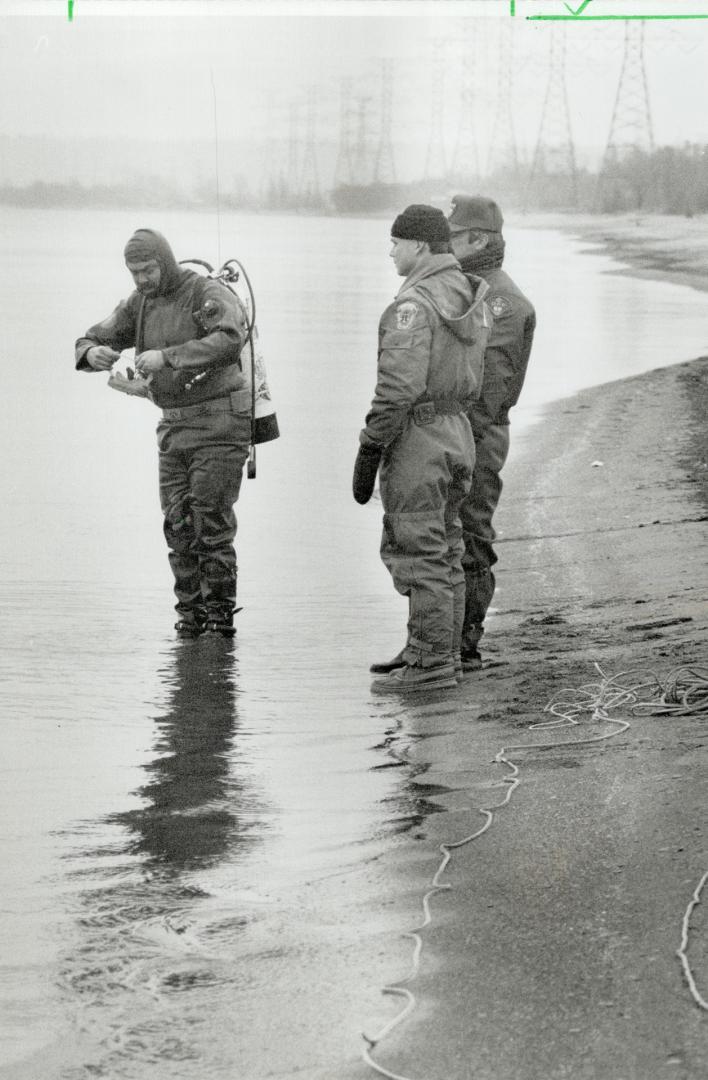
(188, 332)
(476, 227)
(431, 348)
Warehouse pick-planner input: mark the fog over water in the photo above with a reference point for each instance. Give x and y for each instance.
(155, 78)
(195, 871)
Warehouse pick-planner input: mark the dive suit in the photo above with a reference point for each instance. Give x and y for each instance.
(204, 434)
(431, 347)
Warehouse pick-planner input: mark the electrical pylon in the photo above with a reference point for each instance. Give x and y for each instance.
(435, 154)
(271, 166)
(465, 157)
(384, 165)
(344, 168)
(291, 187)
(503, 154)
(310, 183)
(631, 126)
(362, 148)
(631, 129)
(554, 154)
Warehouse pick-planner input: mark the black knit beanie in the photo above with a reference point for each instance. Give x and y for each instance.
(421, 222)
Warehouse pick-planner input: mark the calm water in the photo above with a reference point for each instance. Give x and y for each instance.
(194, 877)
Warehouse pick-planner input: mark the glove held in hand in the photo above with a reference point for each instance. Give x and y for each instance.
(365, 469)
(136, 387)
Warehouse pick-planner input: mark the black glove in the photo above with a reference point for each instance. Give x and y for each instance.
(365, 469)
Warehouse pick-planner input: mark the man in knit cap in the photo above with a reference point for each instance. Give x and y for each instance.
(431, 348)
(188, 332)
(477, 241)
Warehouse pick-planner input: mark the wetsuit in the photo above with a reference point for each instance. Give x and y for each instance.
(204, 434)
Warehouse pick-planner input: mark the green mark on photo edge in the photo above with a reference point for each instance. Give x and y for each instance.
(577, 16)
(71, 10)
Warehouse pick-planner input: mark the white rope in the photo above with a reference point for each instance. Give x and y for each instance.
(684, 692)
(681, 952)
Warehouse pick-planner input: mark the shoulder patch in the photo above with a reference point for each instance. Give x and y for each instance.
(209, 313)
(405, 314)
(499, 306)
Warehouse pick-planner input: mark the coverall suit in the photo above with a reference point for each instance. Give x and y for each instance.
(204, 434)
(505, 363)
(431, 348)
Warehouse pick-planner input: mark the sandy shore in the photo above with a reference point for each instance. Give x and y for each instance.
(554, 953)
(662, 247)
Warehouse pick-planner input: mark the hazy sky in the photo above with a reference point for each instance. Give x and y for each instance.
(146, 75)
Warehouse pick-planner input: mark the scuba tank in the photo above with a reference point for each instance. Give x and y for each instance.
(264, 422)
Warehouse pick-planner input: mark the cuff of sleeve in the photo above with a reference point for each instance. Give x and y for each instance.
(367, 443)
(82, 363)
(169, 358)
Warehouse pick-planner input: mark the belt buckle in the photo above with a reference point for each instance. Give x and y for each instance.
(424, 413)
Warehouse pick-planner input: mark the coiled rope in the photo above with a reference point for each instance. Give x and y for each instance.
(684, 692)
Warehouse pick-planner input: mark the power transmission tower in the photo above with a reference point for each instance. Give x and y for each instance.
(384, 166)
(631, 135)
(291, 187)
(344, 168)
(465, 158)
(271, 165)
(631, 127)
(554, 155)
(435, 155)
(362, 149)
(310, 184)
(503, 154)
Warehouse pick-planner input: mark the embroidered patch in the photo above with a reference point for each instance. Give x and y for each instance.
(499, 306)
(405, 314)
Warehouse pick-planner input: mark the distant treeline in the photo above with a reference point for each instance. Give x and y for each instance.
(149, 194)
(670, 180)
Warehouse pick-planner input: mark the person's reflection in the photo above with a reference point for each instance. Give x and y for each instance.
(194, 805)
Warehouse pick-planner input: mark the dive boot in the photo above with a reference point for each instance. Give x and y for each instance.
(412, 678)
(471, 659)
(221, 621)
(191, 625)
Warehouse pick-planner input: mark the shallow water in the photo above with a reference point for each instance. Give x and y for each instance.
(194, 876)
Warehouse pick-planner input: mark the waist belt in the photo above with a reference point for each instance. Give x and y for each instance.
(239, 401)
(426, 411)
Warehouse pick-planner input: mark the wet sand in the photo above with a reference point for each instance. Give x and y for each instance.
(553, 954)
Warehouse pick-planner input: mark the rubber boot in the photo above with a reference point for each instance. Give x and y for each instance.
(386, 666)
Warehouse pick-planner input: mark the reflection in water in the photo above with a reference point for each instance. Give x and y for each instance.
(192, 812)
(413, 799)
(153, 961)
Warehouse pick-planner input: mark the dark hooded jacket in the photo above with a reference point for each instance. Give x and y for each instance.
(432, 340)
(197, 324)
(507, 357)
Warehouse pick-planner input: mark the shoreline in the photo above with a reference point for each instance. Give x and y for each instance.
(563, 920)
(658, 247)
(554, 953)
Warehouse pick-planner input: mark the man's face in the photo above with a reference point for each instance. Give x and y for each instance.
(468, 242)
(146, 276)
(405, 254)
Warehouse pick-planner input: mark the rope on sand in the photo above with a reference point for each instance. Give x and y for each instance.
(685, 692)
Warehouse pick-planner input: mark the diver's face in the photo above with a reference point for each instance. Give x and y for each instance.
(146, 276)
